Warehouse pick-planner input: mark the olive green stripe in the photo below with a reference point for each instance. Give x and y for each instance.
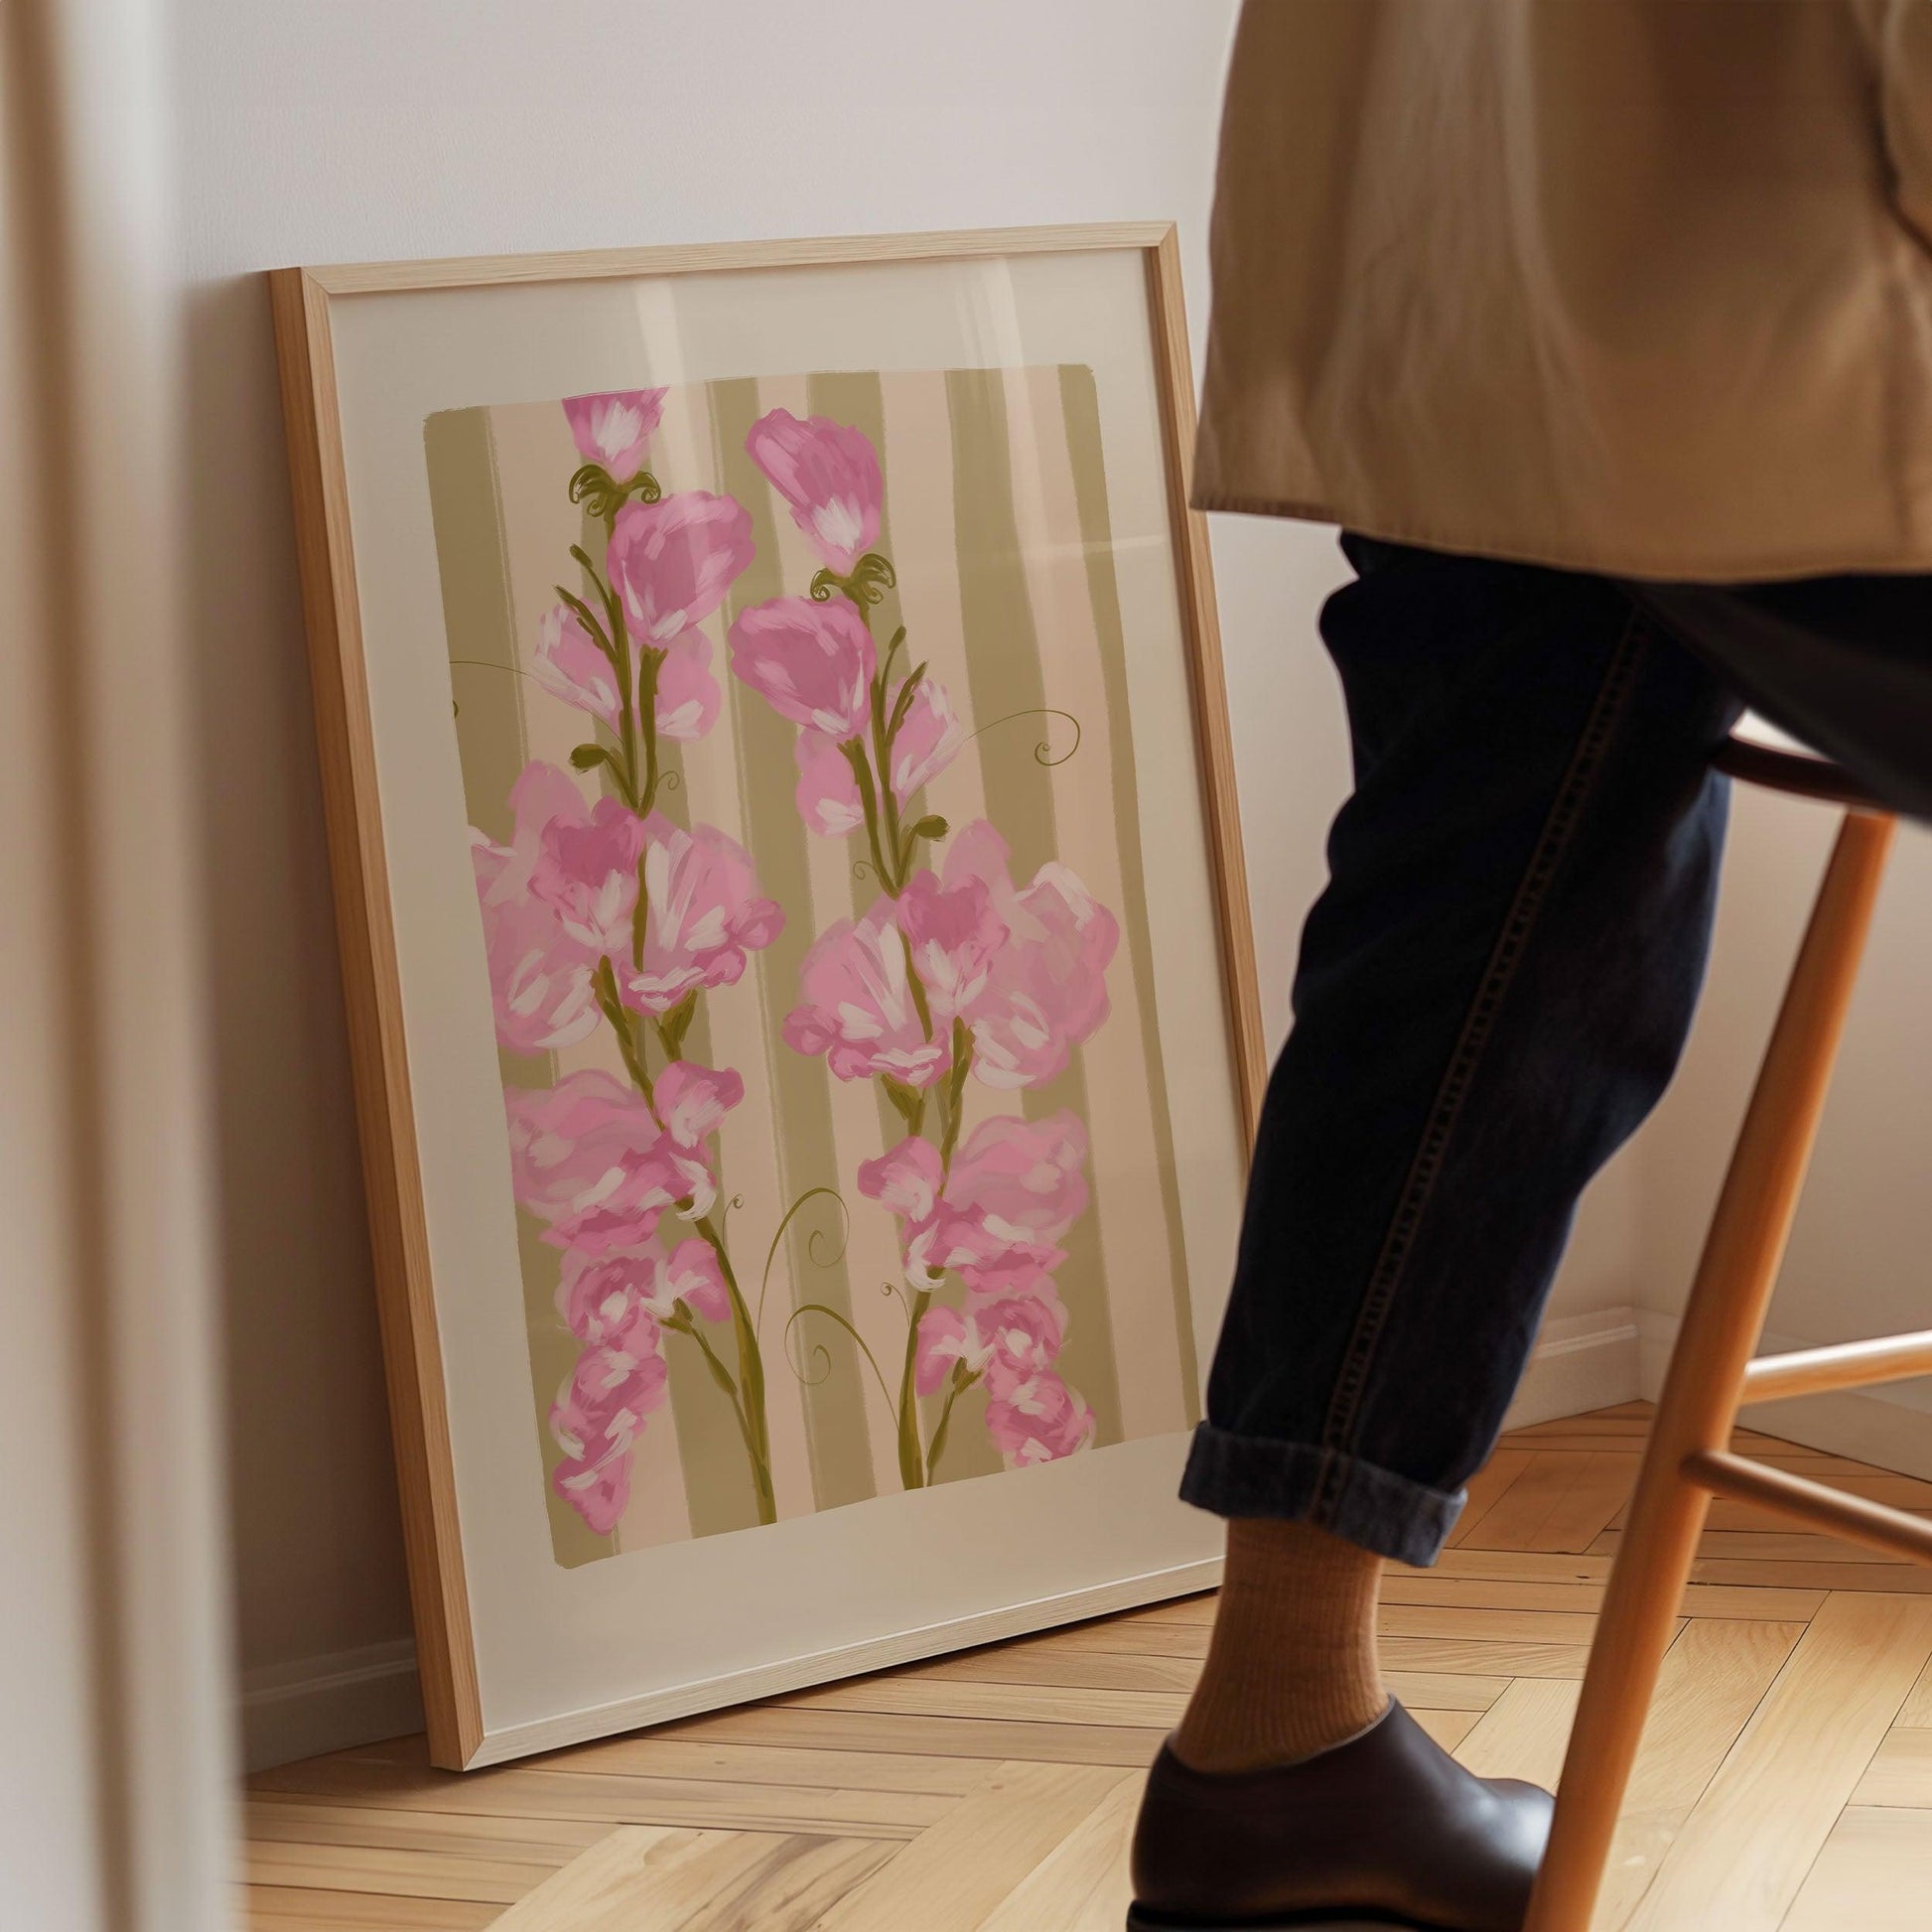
(1003, 658)
(1080, 401)
(466, 512)
(841, 1449)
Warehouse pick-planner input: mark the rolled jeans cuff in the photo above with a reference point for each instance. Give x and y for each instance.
(1302, 1482)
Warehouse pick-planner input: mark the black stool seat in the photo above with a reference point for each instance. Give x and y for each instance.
(1761, 755)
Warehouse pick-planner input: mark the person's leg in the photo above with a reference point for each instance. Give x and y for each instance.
(1493, 993)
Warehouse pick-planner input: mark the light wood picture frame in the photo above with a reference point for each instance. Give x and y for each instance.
(1044, 372)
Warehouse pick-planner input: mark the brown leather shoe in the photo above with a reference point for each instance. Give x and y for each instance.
(1387, 1826)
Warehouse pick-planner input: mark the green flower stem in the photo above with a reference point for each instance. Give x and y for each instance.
(750, 1375)
(684, 1324)
(604, 980)
(962, 1380)
(648, 662)
(855, 755)
(955, 1092)
(911, 1452)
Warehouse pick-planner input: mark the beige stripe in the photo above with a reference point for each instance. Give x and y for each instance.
(838, 1439)
(872, 1251)
(683, 459)
(1126, 1155)
(918, 439)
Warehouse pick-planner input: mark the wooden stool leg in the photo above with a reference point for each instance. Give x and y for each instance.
(1699, 1405)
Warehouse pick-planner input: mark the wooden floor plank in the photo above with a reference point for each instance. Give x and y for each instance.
(527, 1840)
(712, 1881)
(951, 1878)
(401, 1874)
(1561, 1502)
(282, 1908)
(1486, 1487)
(692, 1802)
(1713, 1675)
(1746, 1850)
(1874, 1874)
(1917, 1712)
(968, 1738)
(1900, 1771)
(657, 1755)
(1082, 1885)
(1524, 1733)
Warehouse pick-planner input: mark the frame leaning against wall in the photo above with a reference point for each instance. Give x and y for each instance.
(304, 304)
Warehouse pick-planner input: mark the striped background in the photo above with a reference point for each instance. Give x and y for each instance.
(996, 519)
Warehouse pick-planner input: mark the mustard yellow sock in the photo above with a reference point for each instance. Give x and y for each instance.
(1291, 1667)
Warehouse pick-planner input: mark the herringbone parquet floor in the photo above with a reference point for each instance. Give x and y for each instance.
(1785, 1784)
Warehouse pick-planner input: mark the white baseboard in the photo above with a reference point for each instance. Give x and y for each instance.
(329, 1703)
(1890, 1426)
(1580, 1362)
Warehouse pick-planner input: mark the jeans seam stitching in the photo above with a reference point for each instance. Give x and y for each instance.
(1478, 1027)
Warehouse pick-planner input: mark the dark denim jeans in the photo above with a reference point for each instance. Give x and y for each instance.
(1495, 987)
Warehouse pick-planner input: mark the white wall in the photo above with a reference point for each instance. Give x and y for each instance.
(359, 129)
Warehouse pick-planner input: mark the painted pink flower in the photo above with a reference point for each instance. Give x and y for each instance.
(614, 429)
(569, 666)
(671, 562)
(828, 472)
(1014, 1188)
(929, 735)
(1005, 1342)
(693, 1100)
(705, 915)
(1046, 990)
(589, 1156)
(587, 872)
(539, 976)
(687, 694)
(603, 1297)
(1038, 1420)
(828, 788)
(953, 935)
(598, 1416)
(811, 662)
(859, 1010)
(906, 1178)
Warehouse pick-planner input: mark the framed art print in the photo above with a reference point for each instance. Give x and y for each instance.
(796, 946)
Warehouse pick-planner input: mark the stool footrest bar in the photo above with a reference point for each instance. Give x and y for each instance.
(1844, 1365)
(1814, 1504)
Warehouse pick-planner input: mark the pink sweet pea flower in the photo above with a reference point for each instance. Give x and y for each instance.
(705, 915)
(1015, 1187)
(614, 429)
(1005, 1342)
(598, 1416)
(929, 735)
(587, 872)
(1038, 1420)
(828, 789)
(693, 1100)
(828, 472)
(603, 1297)
(589, 1156)
(953, 936)
(1046, 990)
(539, 976)
(906, 1178)
(687, 694)
(857, 1008)
(569, 666)
(671, 562)
(811, 662)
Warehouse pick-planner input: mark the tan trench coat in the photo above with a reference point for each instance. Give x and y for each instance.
(1639, 286)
